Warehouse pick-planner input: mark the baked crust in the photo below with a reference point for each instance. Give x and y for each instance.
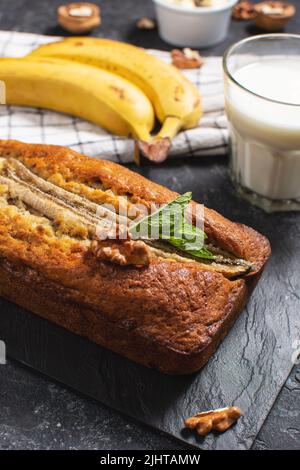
(168, 315)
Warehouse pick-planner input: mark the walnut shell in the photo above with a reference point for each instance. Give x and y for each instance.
(273, 20)
(79, 18)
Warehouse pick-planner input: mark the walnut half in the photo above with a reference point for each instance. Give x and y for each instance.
(273, 16)
(79, 18)
(186, 59)
(219, 420)
(244, 11)
(124, 252)
(145, 23)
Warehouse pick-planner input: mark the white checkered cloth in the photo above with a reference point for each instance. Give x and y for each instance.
(210, 137)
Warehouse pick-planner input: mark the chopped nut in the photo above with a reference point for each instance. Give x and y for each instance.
(186, 59)
(82, 11)
(184, 3)
(273, 16)
(244, 11)
(203, 3)
(122, 252)
(219, 420)
(191, 54)
(79, 17)
(269, 9)
(145, 23)
(115, 245)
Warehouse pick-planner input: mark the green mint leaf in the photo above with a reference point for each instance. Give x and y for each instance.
(164, 221)
(169, 224)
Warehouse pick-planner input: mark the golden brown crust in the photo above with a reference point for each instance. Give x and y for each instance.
(168, 315)
(65, 307)
(237, 238)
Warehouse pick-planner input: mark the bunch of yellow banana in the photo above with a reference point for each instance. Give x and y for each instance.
(110, 83)
(85, 91)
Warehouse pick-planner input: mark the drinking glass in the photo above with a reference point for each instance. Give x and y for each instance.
(262, 101)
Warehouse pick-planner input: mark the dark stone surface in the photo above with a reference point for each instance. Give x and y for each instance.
(32, 407)
(250, 366)
(119, 19)
(37, 413)
(282, 427)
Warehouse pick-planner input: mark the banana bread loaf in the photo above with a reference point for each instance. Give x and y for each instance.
(169, 312)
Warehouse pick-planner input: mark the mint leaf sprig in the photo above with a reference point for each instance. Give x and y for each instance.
(169, 224)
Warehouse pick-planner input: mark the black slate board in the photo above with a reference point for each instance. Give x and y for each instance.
(248, 369)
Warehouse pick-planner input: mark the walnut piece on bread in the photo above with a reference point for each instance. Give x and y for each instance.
(122, 252)
(219, 420)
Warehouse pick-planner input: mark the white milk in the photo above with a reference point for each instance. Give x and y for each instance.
(266, 135)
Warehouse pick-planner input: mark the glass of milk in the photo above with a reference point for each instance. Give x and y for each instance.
(262, 98)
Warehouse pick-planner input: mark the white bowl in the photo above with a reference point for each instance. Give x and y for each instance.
(193, 27)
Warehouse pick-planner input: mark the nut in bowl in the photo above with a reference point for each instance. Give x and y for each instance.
(79, 18)
(193, 23)
(273, 16)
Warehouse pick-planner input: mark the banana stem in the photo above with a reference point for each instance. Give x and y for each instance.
(157, 148)
(170, 128)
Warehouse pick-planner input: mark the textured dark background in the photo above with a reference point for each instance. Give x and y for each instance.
(37, 413)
